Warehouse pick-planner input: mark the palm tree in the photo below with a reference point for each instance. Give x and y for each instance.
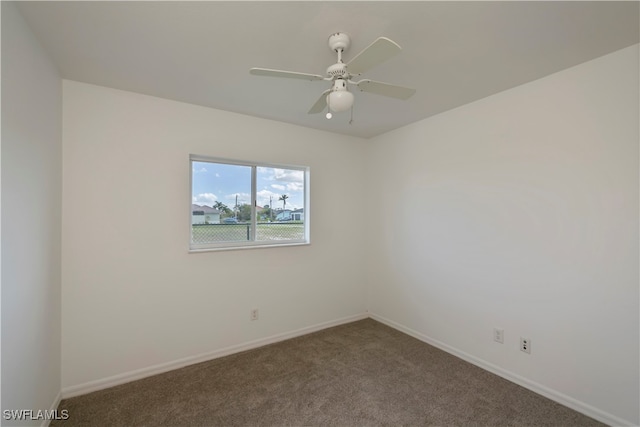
(221, 207)
(284, 198)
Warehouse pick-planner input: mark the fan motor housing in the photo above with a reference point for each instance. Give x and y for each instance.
(337, 70)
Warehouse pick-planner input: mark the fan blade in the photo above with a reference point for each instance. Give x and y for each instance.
(320, 104)
(286, 74)
(385, 89)
(374, 54)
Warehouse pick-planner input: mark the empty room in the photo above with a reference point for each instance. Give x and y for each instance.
(320, 213)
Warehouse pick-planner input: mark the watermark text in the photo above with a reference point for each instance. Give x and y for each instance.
(30, 414)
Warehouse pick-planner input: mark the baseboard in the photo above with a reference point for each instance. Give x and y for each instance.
(554, 395)
(52, 409)
(138, 374)
(126, 377)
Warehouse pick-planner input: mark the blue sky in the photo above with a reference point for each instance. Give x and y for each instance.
(214, 182)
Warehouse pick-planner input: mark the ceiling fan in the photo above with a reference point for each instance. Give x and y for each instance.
(338, 98)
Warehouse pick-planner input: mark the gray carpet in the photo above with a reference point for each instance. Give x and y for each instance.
(360, 374)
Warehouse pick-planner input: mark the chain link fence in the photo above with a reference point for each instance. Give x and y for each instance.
(265, 231)
(280, 231)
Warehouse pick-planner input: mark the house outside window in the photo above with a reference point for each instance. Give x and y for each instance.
(204, 215)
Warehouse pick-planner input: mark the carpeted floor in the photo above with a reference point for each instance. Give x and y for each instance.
(360, 374)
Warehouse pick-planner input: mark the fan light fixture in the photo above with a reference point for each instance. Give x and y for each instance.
(339, 99)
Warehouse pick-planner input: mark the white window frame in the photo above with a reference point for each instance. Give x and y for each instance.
(252, 243)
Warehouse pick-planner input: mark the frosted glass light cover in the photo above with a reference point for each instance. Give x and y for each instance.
(340, 100)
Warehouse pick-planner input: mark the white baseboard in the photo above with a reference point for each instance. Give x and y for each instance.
(554, 395)
(126, 377)
(54, 406)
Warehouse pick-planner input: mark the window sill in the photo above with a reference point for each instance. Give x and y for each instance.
(254, 246)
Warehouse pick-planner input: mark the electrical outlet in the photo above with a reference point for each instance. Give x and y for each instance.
(498, 335)
(525, 345)
(254, 314)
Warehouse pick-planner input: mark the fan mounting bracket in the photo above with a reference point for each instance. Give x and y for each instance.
(339, 42)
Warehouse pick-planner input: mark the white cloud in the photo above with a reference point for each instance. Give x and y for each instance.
(201, 170)
(291, 186)
(263, 197)
(295, 186)
(205, 198)
(276, 174)
(288, 175)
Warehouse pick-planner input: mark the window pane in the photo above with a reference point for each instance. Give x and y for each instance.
(221, 202)
(280, 195)
(243, 204)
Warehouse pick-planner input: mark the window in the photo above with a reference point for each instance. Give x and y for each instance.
(237, 204)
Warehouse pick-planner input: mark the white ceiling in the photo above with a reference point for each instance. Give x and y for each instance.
(201, 52)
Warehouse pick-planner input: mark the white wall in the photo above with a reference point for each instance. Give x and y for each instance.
(31, 219)
(520, 211)
(133, 297)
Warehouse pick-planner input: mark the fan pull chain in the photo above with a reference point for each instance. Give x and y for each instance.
(351, 120)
